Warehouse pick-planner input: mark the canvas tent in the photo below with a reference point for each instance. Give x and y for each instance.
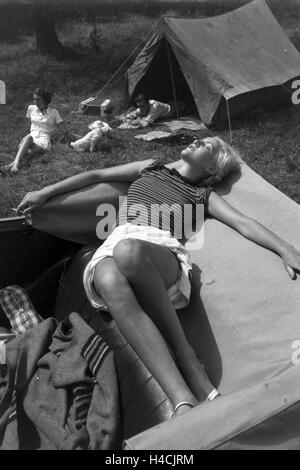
(225, 64)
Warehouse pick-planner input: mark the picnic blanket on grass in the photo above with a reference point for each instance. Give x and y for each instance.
(189, 123)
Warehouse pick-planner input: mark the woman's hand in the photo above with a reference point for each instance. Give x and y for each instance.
(291, 260)
(31, 201)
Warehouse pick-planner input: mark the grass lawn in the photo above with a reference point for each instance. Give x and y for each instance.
(267, 139)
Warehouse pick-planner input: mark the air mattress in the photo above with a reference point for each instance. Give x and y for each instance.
(243, 320)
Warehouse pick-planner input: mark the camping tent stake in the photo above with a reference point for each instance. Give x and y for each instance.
(172, 80)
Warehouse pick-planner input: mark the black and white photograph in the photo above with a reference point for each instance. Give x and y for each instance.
(149, 227)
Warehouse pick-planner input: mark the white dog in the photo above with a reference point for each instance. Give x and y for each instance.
(91, 139)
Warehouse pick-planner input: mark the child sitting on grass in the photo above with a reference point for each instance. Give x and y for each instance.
(44, 118)
(146, 113)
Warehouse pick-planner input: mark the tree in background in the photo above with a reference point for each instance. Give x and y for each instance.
(46, 37)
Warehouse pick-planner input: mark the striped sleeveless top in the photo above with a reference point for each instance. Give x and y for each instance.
(161, 197)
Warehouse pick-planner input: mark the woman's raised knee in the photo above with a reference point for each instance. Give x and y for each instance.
(107, 280)
(129, 255)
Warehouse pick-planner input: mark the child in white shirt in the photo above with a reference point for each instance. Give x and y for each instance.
(146, 113)
(44, 119)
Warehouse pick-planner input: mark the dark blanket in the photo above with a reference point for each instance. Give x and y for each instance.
(60, 390)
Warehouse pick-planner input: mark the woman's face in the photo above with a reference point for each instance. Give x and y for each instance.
(39, 102)
(202, 153)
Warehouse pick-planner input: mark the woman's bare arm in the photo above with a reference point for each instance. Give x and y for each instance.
(128, 172)
(253, 230)
(177, 164)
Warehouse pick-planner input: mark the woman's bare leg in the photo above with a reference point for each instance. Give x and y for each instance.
(151, 269)
(140, 331)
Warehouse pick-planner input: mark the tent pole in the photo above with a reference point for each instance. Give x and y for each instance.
(172, 80)
(229, 121)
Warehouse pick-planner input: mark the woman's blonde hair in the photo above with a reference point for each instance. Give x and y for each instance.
(228, 161)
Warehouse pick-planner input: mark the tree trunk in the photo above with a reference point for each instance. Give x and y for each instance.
(46, 37)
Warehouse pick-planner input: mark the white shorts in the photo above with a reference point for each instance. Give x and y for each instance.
(179, 293)
(42, 139)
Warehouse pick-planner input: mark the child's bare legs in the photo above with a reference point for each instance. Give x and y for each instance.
(144, 270)
(27, 147)
(93, 146)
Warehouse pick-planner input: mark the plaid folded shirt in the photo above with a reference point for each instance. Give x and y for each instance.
(18, 308)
